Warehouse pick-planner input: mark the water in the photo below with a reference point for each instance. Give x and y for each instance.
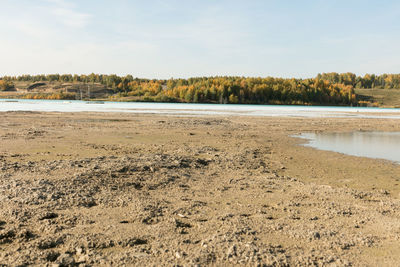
(380, 145)
(198, 109)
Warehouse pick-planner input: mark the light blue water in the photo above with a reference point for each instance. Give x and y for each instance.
(197, 109)
(381, 145)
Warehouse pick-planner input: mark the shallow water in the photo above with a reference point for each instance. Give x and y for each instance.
(198, 109)
(381, 145)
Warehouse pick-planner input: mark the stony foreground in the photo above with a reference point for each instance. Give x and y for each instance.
(122, 189)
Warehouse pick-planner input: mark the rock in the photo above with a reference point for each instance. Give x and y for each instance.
(83, 258)
(48, 216)
(49, 243)
(6, 236)
(316, 235)
(78, 250)
(232, 251)
(66, 260)
(180, 224)
(131, 242)
(52, 256)
(26, 234)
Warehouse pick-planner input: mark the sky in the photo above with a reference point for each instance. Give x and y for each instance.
(192, 38)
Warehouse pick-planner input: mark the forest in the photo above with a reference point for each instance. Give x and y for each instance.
(324, 89)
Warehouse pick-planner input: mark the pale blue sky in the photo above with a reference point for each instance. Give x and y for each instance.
(186, 38)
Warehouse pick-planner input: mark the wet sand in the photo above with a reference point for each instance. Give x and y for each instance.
(95, 189)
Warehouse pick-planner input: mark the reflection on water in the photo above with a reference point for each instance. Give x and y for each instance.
(382, 145)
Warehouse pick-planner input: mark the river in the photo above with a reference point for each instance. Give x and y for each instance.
(198, 109)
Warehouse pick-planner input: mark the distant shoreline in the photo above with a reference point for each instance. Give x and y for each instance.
(327, 89)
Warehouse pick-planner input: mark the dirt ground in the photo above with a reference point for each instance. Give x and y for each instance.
(93, 189)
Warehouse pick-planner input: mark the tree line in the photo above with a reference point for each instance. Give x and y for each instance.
(326, 88)
(244, 90)
(368, 81)
(6, 85)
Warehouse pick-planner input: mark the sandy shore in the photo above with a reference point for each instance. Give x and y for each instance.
(125, 189)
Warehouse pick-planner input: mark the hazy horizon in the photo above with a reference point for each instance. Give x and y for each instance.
(182, 39)
(188, 77)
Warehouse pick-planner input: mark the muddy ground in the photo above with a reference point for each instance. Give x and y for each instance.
(125, 189)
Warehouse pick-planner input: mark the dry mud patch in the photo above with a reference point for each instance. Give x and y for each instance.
(125, 189)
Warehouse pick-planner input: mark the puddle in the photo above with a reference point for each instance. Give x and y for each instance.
(380, 145)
